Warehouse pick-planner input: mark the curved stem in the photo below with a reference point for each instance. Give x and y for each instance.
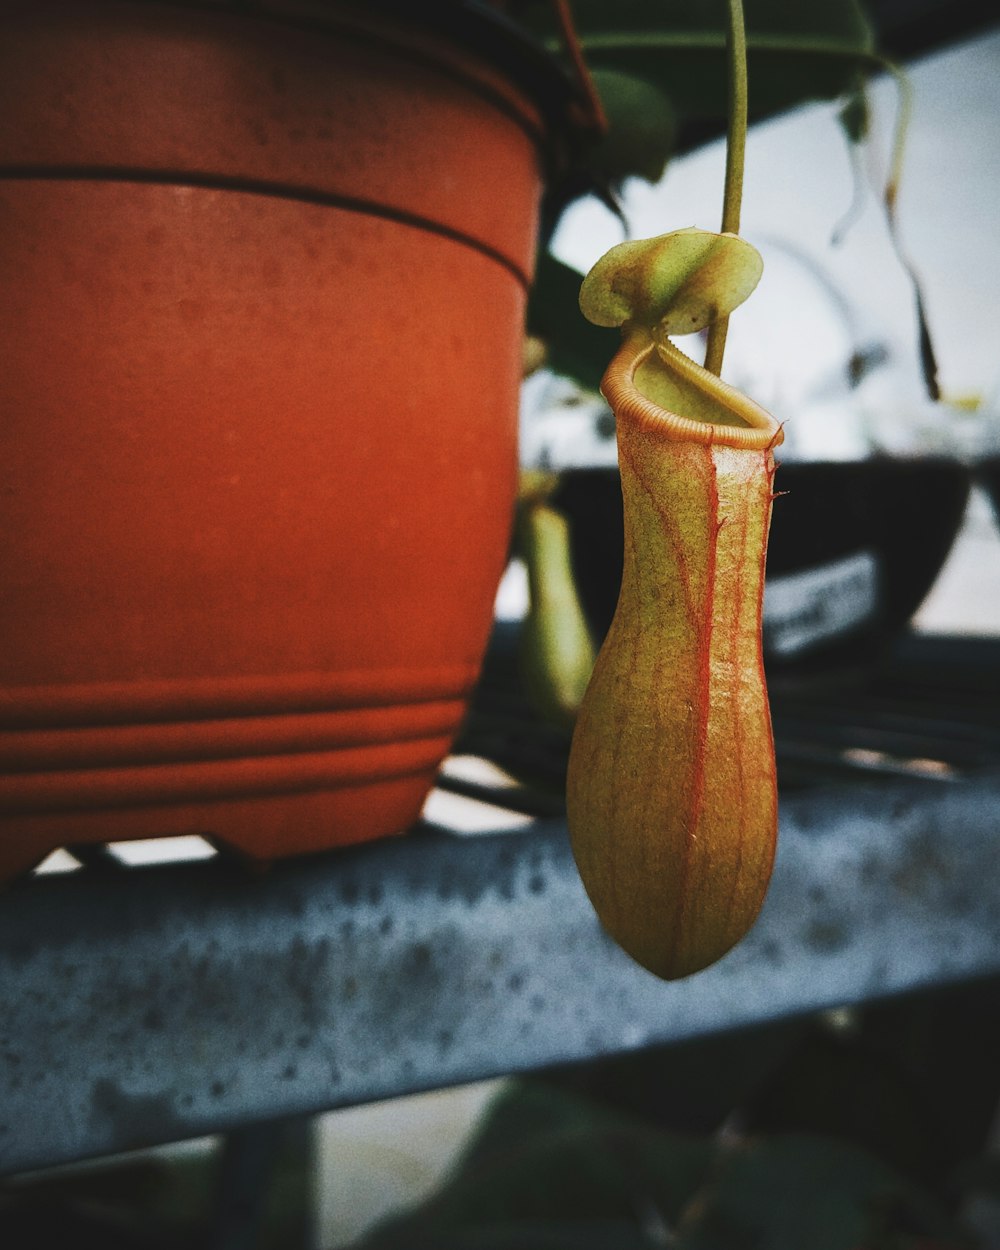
(928, 357)
(904, 88)
(736, 138)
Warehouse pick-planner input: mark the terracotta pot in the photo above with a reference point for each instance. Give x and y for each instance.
(264, 280)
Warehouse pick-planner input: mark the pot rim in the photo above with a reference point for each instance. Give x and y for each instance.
(470, 26)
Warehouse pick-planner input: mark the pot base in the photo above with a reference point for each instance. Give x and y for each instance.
(261, 828)
(271, 766)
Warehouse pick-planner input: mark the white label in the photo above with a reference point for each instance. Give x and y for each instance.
(803, 609)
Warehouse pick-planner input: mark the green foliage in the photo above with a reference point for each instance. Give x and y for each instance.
(550, 1169)
(642, 129)
(660, 69)
(557, 652)
(577, 349)
(544, 1159)
(794, 1191)
(796, 51)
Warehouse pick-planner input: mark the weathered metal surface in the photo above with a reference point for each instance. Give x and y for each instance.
(160, 1004)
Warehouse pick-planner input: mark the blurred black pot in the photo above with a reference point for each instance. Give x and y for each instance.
(988, 473)
(854, 549)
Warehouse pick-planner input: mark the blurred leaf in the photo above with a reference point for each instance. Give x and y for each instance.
(854, 114)
(979, 1176)
(796, 51)
(642, 129)
(787, 1193)
(546, 1156)
(692, 1086)
(576, 348)
(539, 1235)
(660, 68)
(548, 1166)
(838, 1087)
(557, 653)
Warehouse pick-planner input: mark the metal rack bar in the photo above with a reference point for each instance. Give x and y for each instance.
(165, 1003)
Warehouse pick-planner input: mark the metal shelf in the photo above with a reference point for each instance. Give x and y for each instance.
(164, 1003)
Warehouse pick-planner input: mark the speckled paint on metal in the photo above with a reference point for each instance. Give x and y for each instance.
(164, 1003)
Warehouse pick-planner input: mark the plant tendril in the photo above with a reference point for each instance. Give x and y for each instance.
(736, 138)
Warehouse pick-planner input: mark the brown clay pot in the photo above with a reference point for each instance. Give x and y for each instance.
(264, 280)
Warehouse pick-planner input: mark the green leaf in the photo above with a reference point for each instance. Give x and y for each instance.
(577, 349)
(642, 129)
(543, 1157)
(796, 51)
(557, 652)
(797, 1191)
